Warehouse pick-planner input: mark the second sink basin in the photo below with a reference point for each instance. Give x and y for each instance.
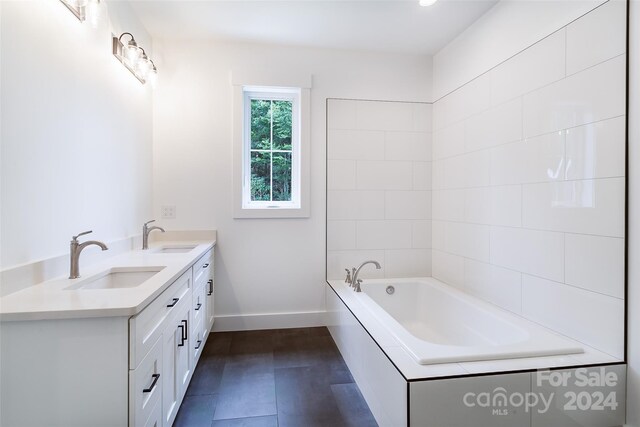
(174, 249)
(117, 278)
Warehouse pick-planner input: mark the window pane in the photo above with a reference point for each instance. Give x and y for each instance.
(260, 124)
(260, 176)
(282, 125)
(282, 177)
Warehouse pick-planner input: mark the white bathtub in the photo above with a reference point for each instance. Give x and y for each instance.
(437, 323)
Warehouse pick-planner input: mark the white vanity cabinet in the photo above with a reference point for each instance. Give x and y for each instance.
(108, 371)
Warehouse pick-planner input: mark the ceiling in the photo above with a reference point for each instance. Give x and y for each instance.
(388, 26)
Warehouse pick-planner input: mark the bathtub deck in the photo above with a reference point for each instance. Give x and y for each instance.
(286, 377)
(413, 371)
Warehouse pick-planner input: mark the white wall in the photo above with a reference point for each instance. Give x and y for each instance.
(75, 129)
(509, 27)
(633, 356)
(379, 187)
(264, 266)
(528, 182)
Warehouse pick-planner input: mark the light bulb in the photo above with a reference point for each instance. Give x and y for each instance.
(425, 3)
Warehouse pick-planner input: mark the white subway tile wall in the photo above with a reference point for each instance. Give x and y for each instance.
(379, 187)
(529, 182)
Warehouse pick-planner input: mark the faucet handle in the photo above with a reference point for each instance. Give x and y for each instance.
(82, 234)
(149, 222)
(348, 278)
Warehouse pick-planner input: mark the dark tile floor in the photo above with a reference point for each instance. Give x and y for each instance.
(284, 377)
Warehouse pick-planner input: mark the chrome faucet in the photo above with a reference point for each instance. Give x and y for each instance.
(145, 233)
(354, 278)
(76, 249)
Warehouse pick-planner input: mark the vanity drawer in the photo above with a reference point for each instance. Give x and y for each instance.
(147, 326)
(145, 386)
(203, 268)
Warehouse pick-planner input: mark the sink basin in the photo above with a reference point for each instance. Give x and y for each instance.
(117, 278)
(175, 249)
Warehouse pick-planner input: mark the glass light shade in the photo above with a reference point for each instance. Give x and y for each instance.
(152, 77)
(132, 53)
(79, 3)
(144, 67)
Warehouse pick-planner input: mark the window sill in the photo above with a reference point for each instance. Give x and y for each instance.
(278, 212)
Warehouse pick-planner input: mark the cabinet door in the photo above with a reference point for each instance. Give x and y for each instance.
(210, 285)
(210, 307)
(176, 369)
(171, 337)
(183, 365)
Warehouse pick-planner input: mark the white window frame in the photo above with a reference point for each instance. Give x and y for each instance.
(280, 94)
(275, 80)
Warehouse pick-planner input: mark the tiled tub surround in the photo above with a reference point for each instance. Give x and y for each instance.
(401, 392)
(379, 187)
(529, 182)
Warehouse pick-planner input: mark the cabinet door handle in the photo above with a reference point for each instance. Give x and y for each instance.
(210, 282)
(198, 307)
(185, 330)
(181, 335)
(155, 377)
(205, 266)
(175, 301)
(199, 344)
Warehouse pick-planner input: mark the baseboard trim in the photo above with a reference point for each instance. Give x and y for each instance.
(269, 321)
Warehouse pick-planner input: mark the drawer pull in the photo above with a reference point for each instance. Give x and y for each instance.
(155, 377)
(206, 265)
(175, 301)
(199, 344)
(210, 282)
(198, 307)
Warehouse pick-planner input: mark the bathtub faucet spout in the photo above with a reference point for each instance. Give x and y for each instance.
(354, 278)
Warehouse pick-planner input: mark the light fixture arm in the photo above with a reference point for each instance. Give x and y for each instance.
(126, 34)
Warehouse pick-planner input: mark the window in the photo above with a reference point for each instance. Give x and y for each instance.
(271, 148)
(271, 143)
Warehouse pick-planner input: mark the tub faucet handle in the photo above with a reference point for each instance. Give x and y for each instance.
(348, 278)
(356, 286)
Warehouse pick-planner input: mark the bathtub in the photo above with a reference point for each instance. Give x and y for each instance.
(437, 323)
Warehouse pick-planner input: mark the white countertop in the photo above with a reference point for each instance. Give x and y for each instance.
(52, 299)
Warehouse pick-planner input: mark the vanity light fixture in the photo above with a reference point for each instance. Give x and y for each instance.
(134, 58)
(83, 9)
(425, 3)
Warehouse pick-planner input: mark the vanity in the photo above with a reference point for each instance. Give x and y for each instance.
(116, 347)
